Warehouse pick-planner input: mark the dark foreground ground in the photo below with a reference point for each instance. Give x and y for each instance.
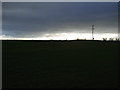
(60, 64)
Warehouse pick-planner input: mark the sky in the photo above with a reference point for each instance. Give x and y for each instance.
(59, 20)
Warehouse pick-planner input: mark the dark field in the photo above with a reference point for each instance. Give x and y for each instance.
(60, 64)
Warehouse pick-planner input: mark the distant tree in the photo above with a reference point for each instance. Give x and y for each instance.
(104, 39)
(111, 39)
(117, 39)
(78, 39)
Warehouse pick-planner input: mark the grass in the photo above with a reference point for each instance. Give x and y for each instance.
(60, 64)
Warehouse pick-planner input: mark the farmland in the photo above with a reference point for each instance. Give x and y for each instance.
(60, 64)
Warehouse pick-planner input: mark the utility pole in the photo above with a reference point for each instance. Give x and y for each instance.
(93, 32)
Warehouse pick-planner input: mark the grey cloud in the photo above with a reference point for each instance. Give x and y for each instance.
(21, 19)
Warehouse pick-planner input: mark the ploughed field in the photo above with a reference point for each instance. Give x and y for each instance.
(60, 64)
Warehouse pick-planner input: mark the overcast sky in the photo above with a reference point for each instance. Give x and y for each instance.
(29, 19)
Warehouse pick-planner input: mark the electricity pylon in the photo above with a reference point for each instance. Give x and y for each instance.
(93, 32)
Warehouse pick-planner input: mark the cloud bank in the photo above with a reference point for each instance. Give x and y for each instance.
(35, 19)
